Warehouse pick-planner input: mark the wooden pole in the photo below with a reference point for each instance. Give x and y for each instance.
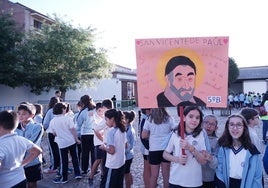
(180, 114)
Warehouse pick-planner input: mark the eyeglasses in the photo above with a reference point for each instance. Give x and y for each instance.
(238, 125)
(207, 123)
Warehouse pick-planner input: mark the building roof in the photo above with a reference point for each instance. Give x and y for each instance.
(253, 73)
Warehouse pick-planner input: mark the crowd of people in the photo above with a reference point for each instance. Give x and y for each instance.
(241, 100)
(100, 139)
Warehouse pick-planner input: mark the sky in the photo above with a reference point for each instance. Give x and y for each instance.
(120, 22)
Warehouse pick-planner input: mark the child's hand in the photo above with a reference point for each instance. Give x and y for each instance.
(102, 147)
(182, 159)
(207, 155)
(78, 141)
(184, 144)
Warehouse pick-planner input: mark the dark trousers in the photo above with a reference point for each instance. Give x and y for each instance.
(178, 186)
(208, 184)
(22, 184)
(234, 183)
(87, 147)
(54, 151)
(264, 129)
(79, 149)
(65, 161)
(113, 178)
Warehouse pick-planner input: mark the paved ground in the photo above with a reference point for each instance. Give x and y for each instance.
(137, 165)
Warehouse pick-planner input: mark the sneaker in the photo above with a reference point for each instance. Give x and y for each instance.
(49, 171)
(84, 173)
(58, 175)
(64, 181)
(59, 180)
(44, 164)
(79, 177)
(90, 182)
(97, 172)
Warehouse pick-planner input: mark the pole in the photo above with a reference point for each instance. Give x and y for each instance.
(180, 114)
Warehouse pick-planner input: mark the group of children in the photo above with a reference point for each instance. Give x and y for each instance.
(195, 157)
(192, 156)
(107, 130)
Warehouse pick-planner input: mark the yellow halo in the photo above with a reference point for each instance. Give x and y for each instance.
(161, 66)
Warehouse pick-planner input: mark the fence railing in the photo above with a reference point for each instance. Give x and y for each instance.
(2, 108)
(119, 104)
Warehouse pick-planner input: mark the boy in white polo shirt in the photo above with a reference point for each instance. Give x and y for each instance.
(12, 152)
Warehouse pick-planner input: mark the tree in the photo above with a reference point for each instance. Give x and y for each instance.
(233, 71)
(62, 57)
(10, 35)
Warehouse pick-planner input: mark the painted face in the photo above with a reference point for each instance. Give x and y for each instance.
(192, 120)
(236, 127)
(182, 82)
(210, 125)
(24, 116)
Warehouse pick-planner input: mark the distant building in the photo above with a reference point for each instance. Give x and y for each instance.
(25, 17)
(253, 79)
(122, 83)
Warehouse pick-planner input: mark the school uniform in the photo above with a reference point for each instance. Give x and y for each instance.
(61, 125)
(189, 174)
(97, 142)
(131, 140)
(158, 139)
(114, 165)
(33, 132)
(208, 169)
(53, 146)
(12, 152)
(87, 136)
(243, 165)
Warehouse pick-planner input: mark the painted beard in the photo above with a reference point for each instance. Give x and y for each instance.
(186, 97)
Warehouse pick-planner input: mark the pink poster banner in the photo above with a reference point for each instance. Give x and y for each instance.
(182, 71)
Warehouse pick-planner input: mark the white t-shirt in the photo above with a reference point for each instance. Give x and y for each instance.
(190, 174)
(117, 139)
(95, 121)
(255, 139)
(159, 134)
(62, 125)
(12, 152)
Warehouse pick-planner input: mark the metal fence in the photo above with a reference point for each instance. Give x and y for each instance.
(2, 108)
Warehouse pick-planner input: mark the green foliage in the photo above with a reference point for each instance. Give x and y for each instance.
(62, 57)
(10, 35)
(233, 71)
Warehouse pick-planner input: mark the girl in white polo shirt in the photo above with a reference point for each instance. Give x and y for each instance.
(185, 170)
(115, 147)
